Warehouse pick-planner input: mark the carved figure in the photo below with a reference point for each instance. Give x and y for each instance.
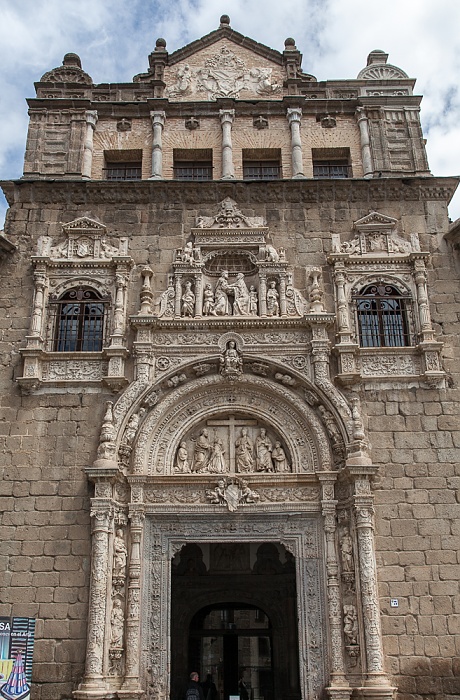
(201, 452)
(253, 301)
(183, 82)
(346, 553)
(279, 458)
(117, 622)
(231, 364)
(120, 555)
(263, 447)
(273, 307)
(247, 495)
(208, 300)
(188, 300)
(182, 463)
(222, 305)
(240, 290)
(216, 463)
(271, 254)
(131, 428)
(244, 452)
(350, 625)
(262, 81)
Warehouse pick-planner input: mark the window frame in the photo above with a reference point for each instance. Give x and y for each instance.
(379, 325)
(76, 331)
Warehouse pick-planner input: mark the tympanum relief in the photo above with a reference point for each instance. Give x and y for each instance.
(231, 444)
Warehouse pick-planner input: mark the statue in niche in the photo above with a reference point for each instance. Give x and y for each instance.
(273, 307)
(222, 304)
(120, 555)
(279, 459)
(263, 447)
(182, 464)
(208, 300)
(188, 300)
(202, 451)
(346, 553)
(231, 364)
(131, 428)
(244, 452)
(253, 301)
(350, 625)
(117, 622)
(216, 463)
(241, 293)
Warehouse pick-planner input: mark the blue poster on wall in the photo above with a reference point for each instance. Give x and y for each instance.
(17, 636)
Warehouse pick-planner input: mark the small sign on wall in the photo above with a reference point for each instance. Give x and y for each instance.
(17, 636)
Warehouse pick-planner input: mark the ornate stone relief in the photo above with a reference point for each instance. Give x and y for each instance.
(232, 492)
(223, 74)
(378, 255)
(84, 259)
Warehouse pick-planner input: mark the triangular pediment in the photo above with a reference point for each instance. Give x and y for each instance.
(84, 224)
(375, 220)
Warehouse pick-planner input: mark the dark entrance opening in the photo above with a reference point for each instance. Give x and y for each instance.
(234, 617)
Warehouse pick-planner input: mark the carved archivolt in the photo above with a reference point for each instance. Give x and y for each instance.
(284, 424)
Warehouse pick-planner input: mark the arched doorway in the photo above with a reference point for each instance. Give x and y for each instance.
(233, 615)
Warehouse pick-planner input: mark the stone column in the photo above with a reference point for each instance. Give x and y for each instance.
(119, 310)
(422, 302)
(178, 297)
(262, 293)
(37, 314)
(101, 514)
(226, 119)
(294, 116)
(343, 318)
(146, 294)
(158, 122)
(283, 308)
(339, 687)
(364, 515)
(133, 651)
(198, 295)
(366, 156)
(91, 120)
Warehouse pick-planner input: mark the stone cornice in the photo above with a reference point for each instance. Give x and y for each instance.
(87, 192)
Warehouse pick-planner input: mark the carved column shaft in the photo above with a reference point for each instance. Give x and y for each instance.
(262, 294)
(422, 301)
(178, 297)
(363, 506)
(133, 651)
(283, 307)
(366, 155)
(146, 295)
(333, 586)
(294, 116)
(37, 314)
(158, 122)
(119, 307)
(226, 119)
(198, 296)
(91, 120)
(101, 526)
(343, 317)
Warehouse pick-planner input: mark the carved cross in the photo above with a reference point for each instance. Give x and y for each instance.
(232, 422)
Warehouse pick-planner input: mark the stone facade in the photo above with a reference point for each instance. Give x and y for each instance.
(232, 392)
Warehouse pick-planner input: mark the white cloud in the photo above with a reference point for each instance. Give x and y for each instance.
(335, 37)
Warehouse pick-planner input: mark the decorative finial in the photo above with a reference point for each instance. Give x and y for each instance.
(225, 21)
(290, 43)
(160, 44)
(71, 59)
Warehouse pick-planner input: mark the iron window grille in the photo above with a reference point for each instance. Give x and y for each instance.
(335, 169)
(193, 170)
(81, 316)
(123, 171)
(382, 314)
(261, 170)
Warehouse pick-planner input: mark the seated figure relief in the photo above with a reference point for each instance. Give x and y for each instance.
(231, 445)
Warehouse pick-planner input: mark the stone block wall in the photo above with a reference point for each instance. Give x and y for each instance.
(47, 439)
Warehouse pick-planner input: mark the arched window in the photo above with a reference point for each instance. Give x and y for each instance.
(80, 320)
(382, 316)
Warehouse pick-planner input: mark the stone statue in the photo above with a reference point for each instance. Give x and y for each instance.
(273, 307)
(117, 622)
(208, 300)
(279, 459)
(222, 304)
(188, 300)
(346, 552)
(201, 452)
(244, 452)
(350, 625)
(240, 290)
(231, 364)
(131, 428)
(182, 464)
(271, 254)
(120, 555)
(216, 463)
(263, 446)
(247, 495)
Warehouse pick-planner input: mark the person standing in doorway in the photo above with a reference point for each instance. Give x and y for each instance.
(194, 690)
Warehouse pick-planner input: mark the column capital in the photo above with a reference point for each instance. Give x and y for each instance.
(158, 118)
(226, 115)
(91, 117)
(360, 114)
(294, 114)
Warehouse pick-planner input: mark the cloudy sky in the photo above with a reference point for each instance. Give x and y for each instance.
(114, 38)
